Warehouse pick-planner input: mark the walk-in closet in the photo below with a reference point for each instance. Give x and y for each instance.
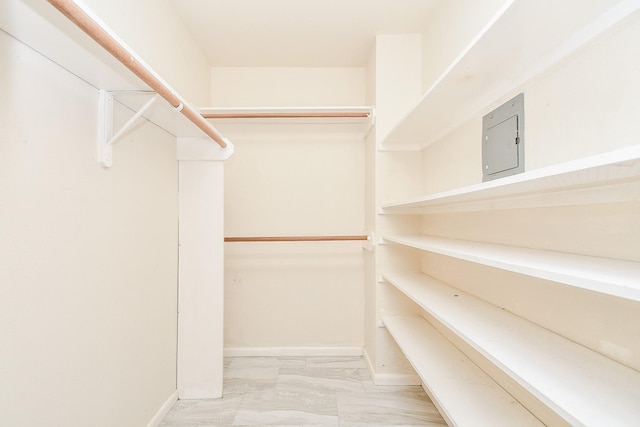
(338, 213)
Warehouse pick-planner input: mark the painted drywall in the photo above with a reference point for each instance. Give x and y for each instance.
(294, 294)
(398, 78)
(285, 87)
(154, 31)
(89, 256)
(451, 28)
(589, 103)
(290, 297)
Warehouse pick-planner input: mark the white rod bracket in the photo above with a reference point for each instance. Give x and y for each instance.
(370, 244)
(107, 138)
(105, 128)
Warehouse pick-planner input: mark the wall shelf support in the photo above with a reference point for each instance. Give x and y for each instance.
(107, 139)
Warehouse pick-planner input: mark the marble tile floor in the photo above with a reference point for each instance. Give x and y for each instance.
(305, 391)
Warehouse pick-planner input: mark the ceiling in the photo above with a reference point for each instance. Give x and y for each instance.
(297, 33)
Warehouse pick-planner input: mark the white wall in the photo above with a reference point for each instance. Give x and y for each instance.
(453, 25)
(293, 296)
(284, 87)
(154, 31)
(89, 256)
(588, 104)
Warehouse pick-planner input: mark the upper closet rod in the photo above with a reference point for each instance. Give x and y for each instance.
(87, 24)
(288, 115)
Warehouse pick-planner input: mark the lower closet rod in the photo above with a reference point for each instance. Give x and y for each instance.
(295, 238)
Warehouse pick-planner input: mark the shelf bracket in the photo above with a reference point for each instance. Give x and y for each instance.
(107, 138)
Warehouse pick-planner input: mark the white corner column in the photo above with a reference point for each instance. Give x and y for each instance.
(201, 268)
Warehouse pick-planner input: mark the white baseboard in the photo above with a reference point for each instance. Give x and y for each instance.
(164, 409)
(292, 351)
(396, 379)
(367, 361)
(390, 379)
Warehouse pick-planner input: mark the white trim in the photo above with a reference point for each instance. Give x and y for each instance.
(292, 351)
(400, 147)
(201, 149)
(367, 360)
(201, 279)
(164, 410)
(396, 379)
(389, 379)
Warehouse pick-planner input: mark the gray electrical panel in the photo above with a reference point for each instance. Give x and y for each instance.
(503, 140)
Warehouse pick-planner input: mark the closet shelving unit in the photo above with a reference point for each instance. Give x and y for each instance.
(604, 275)
(464, 394)
(581, 386)
(593, 389)
(522, 40)
(81, 43)
(480, 363)
(602, 178)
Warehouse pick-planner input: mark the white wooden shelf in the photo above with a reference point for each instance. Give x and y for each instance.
(522, 40)
(604, 178)
(602, 275)
(44, 29)
(580, 385)
(295, 119)
(462, 392)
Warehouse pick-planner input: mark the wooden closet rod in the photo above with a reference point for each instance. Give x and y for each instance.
(87, 24)
(287, 115)
(295, 238)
